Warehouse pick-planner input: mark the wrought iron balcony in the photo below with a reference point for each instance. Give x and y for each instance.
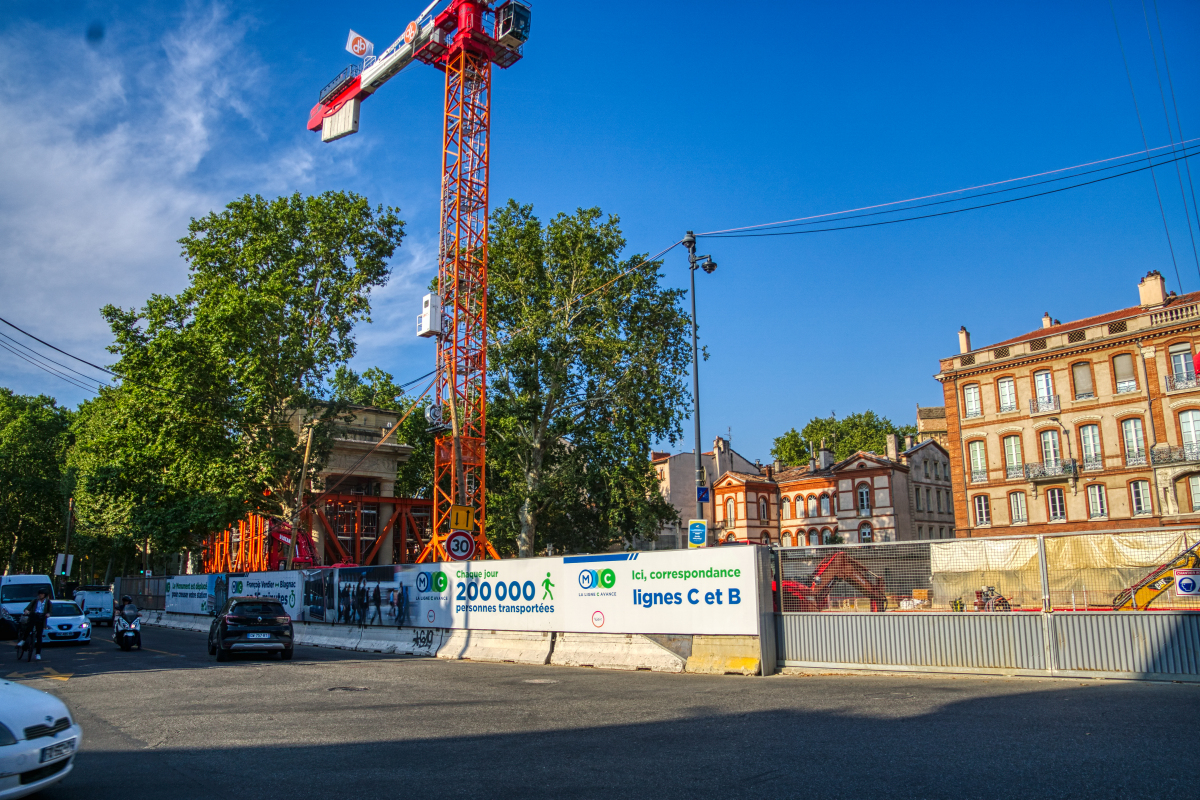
(1175, 455)
(1093, 464)
(1041, 405)
(1066, 467)
(979, 476)
(1014, 471)
(1008, 406)
(1135, 458)
(1181, 380)
(973, 413)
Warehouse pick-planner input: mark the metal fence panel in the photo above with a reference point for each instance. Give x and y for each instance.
(1008, 642)
(1159, 644)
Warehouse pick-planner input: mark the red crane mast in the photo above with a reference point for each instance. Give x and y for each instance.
(463, 41)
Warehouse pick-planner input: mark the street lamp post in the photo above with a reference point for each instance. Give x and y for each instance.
(708, 265)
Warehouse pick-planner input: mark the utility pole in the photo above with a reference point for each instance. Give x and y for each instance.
(708, 265)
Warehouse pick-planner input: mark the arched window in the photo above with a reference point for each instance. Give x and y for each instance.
(785, 539)
(814, 537)
(812, 505)
(730, 538)
(865, 534)
(763, 511)
(730, 517)
(826, 536)
(864, 499)
(824, 505)
(785, 509)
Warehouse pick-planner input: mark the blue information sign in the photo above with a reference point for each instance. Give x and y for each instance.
(702, 494)
(697, 532)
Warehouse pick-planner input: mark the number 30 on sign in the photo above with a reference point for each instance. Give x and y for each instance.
(460, 545)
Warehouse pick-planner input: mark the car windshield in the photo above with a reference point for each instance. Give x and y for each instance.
(17, 592)
(59, 609)
(257, 610)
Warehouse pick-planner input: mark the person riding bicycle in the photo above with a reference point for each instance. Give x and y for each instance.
(38, 611)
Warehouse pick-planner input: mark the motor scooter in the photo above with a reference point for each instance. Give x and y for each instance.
(127, 628)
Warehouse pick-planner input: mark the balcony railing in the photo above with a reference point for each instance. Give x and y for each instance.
(1093, 464)
(1009, 406)
(973, 413)
(1135, 458)
(979, 476)
(1175, 455)
(1040, 405)
(1051, 469)
(1181, 381)
(1014, 471)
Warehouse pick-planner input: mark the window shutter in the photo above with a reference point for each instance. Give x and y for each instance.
(1083, 380)
(1123, 364)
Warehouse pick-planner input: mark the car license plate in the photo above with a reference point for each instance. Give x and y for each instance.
(258, 636)
(58, 750)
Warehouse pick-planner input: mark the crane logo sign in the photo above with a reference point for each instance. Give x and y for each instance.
(359, 46)
(410, 32)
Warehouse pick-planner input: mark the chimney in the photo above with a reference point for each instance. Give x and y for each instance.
(908, 442)
(1152, 289)
(770, 472)
(778, 466)
(1046, 321)
(893, 447)
(964, 340)
(824, 457)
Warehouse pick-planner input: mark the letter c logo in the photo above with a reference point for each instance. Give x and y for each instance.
(692, 592)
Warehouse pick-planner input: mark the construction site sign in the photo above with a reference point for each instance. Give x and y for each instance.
(1187, 582)
(462, 518)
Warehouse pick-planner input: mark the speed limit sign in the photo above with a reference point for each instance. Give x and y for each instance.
(460, 545)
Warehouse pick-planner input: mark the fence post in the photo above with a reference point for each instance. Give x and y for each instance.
(1041, 542)
(1047, 614)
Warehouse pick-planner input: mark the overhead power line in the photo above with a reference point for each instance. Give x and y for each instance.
(1178, 120)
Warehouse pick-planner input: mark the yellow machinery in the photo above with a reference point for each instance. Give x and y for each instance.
(1139, 596)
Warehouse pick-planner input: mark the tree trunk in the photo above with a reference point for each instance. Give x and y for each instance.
(108, 572)
(12, 556)
(527, 514)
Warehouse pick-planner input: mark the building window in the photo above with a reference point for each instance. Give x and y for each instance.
(864, 533)
(1050, 447)
(826, 536)
(785, 539)
(1139, 493)
(1043, 384)
(1089, 439)
(938, 492)
(1014, 467)
(1131, 434)
(1183, 367)
(983, 510)
(921, 532)
(1056, 501)
(971, 402)
(812, 505)
(763, 511)
(927, 469)
(1006, 389)
(977, 451)
(1126, 377)
(864, 499)
(1016, 507)
(730, 538)
(824, 505)
(785, 509)
(918, 494)
(1082, 374)
(1194, 488)
(1189, 427)
(729, 512)
(814, 538)
(1097, 502)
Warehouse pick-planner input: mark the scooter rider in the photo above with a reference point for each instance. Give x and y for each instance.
(38, 611)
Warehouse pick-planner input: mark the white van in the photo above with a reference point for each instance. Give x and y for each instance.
(17, 590)
(96, 602)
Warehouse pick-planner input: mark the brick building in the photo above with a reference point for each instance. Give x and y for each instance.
(1085, 425)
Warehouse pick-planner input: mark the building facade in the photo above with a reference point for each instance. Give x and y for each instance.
(1086, 425)
(931, 424)
(865, 498)
(931, 505)
(677, 482)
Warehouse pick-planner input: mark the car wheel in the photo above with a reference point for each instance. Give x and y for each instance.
(286, 655)
(222, 654)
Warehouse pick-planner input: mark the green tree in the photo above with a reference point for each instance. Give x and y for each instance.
(377, 388)
(34, 436)
(582, 381)
(846, 436)
(220, 380)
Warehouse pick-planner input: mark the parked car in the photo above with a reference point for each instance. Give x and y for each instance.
(16, 591)
(96, 602)
(250, 625)
(38, 740)
(67, 623)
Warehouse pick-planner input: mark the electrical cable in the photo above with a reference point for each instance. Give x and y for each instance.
(938, 214)
(1178, 120)
(64, 352)
(73, 381)
(1142, 128)
(1171, 136)
(941, 194)
(47, 358)
(777, 226)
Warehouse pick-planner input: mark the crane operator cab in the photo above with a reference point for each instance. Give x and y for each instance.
(512, 24)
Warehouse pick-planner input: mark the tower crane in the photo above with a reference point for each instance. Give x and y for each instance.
(463, 40)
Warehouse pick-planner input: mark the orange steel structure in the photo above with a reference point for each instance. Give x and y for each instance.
(408, 519)
(240, 548)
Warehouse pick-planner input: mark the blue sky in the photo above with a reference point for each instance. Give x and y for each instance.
(671, 115)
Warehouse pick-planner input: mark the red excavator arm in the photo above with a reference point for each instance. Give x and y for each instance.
(838, 567)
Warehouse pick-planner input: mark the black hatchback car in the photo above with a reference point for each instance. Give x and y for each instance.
(250, 625)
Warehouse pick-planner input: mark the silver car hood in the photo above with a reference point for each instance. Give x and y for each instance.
(21, 706)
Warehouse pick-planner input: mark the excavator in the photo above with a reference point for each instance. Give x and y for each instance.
(1139, 596)
(838, 567)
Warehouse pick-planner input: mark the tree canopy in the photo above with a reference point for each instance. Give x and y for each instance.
(34, 436)
(860, 431)
(582, 382)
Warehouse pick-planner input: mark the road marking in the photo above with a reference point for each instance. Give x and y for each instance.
(164, 652)
(48, 672)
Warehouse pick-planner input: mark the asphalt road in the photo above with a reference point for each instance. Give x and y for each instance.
(169, 722)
